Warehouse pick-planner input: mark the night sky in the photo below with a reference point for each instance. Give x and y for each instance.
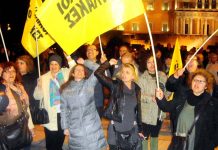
(13, 12)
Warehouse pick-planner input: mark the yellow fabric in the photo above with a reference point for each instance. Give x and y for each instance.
(34, 30)
(73, 23)
(176, 62)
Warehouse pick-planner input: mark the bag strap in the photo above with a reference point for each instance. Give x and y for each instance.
(42, 103)
(197, 117)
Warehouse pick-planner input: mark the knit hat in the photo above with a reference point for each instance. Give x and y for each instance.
(56, 58)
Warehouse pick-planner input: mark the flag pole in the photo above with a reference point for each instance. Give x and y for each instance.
(102, 52)
(6, 53)
(200, 48)
(99, 38)
(37, 52)
(152, 47)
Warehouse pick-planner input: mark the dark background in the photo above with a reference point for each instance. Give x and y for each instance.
(13, 12)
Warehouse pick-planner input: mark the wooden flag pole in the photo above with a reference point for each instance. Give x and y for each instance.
(200, 48)
(153, 51)
(99, 38)
(37, 52)
(6, 53)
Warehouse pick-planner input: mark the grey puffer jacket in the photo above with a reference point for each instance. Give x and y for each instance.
(79, 115)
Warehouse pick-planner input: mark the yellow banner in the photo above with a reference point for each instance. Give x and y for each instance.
(74, 22)
(34, 33)
(176, 62)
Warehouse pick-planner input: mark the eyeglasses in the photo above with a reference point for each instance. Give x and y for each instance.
(199, 81)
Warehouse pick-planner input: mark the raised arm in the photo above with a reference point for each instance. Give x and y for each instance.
(174, 80)
(100, 73)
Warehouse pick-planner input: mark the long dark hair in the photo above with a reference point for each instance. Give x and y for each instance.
(71, 77)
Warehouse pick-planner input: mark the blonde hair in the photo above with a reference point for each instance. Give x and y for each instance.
(130, 66)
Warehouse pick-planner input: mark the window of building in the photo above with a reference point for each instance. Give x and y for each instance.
(185, 5)
(135, 27)
(213, 4)
(165, 27)
(199, 3)
(186, 28)
(206, 4)
(165, 6)
(150, 6)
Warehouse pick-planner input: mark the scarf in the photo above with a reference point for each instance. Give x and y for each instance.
(54, 89)
(194, 100)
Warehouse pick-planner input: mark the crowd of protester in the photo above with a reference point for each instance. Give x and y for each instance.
(78, 90)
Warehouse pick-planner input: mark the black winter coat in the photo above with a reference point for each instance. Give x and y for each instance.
(206, 128)
(116, 88)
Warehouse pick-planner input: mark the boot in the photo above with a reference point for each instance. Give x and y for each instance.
(154, 143)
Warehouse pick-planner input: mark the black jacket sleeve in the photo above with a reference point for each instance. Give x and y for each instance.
(103, 79)
(172, 83)
(166, 106)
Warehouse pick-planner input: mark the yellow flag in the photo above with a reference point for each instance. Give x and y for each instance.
(74, 22)
(34, 33)
(176, 62)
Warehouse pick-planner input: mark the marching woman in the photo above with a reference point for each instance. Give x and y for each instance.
(152, 117)
(18, 100)
(126, 95)
(79, 116)
(195, 110)
(47, 89)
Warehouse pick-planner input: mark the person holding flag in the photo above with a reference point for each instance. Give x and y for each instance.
(152, 117)
(47, 89)
(195, 111)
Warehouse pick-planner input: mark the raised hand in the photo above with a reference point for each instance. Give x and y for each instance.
(103, 58)
(113, 62)
(179, 73)
(80, 61)
(159, 94)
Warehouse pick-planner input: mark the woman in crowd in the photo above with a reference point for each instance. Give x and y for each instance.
(79, 116)
(125, 93)
(29, 77)
(47, 89)
(190, 103)
(190, 69)
(17, 96)
(152, 117)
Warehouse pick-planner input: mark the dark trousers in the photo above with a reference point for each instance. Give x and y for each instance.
(151, 130)
(55, 139)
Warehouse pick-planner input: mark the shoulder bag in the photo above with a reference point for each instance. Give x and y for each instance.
(40, 115)
(16, 135)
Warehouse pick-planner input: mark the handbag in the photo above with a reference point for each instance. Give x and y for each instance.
(128, 140)
(17, 135)
(112, 112)
(40, 114)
